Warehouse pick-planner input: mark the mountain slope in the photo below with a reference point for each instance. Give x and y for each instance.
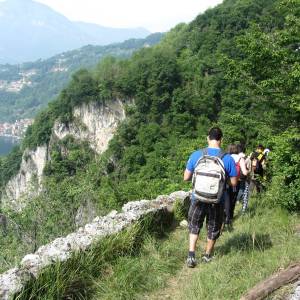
(236, 66)
(27, 88)
(42, 32)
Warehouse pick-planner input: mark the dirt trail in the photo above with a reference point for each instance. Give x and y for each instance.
(173, 287)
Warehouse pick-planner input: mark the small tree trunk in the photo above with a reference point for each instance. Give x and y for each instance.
(266, 287)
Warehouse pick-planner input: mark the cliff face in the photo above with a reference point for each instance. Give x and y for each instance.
(27, 183)
(93, 122)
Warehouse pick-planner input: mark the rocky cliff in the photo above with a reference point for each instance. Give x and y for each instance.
(27, 183)
(93, 122)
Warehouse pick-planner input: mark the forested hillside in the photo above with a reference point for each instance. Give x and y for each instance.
(27, 88)
(237, 65)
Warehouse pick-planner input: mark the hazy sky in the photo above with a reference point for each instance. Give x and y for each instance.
(155, 15)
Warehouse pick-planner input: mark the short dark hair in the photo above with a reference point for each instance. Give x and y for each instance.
(232, 149)
(215, 133)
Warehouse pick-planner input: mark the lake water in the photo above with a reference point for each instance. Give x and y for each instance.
(7, 144)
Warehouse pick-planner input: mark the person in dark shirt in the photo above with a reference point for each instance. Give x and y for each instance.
(258, 159)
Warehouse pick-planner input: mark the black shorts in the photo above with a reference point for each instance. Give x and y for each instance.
(214, 218)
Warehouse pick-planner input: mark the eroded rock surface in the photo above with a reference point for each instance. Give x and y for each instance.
(27, 183)
(93, 122)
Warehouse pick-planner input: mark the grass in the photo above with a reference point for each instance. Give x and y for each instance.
(140, 263)
(117, 267)
(262, 243)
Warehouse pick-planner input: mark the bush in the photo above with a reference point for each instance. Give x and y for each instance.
(285, 169)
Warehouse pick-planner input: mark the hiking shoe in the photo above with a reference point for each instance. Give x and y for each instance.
(206, 258)
(191, 262)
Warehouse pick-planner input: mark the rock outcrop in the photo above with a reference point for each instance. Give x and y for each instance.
(93, 122)
(61, 249)
(27, 183)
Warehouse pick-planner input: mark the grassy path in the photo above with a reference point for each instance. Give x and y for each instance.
(174, 286)
(263, 241)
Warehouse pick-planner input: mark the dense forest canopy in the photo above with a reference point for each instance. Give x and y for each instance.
(237, 65)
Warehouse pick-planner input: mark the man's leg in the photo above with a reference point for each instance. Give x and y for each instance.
(196, 217)
(210, 246)
(193, 241)
(215, 220)
(227, 205)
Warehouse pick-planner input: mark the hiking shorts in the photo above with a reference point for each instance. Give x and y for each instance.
(214, 218)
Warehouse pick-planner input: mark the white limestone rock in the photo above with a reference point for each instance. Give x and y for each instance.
(28, 181)
(32, 263)
(95, 123)
(112, 214)
(180, 195)
(135, 206)
(11, 283)
(296, 293)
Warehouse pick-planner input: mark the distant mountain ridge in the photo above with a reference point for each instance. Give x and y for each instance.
(33, 30)
(26, 88)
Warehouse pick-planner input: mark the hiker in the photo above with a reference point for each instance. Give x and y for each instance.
(265, 163)
(230, 200)
(258, 160)
(210, 169)
(244, 179)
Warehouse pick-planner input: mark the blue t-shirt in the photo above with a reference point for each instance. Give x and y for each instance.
(227, 159)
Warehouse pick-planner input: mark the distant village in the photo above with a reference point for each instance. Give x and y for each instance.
(15, 130)
(15, 86)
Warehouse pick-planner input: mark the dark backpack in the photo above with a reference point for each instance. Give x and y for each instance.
(257, 158)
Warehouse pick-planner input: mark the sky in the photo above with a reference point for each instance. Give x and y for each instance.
(155, 15)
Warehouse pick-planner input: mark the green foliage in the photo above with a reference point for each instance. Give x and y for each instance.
(180, 211)
(67, 158)
(10, 165)
(82, 89)
(285, 166)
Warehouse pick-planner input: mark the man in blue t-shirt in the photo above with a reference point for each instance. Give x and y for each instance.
(199, 210)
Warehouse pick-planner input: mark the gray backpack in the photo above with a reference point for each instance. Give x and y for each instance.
(209, 178)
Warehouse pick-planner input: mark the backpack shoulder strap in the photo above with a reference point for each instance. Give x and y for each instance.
(202, 153)
(221, 154)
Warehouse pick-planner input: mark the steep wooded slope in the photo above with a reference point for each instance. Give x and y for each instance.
(236, 65)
